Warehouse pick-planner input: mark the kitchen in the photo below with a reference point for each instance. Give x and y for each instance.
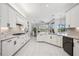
(56, 25)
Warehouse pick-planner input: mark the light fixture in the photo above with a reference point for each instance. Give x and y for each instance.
(47, 5)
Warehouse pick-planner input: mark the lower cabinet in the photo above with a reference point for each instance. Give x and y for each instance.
(56, 40)
(76, 47)
(52, 39)
(10, 46)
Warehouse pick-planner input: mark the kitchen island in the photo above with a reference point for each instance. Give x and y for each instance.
(64, 40)
(71, 43)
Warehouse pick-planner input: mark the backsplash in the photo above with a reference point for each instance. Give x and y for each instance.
(72, 31)
(10, 31)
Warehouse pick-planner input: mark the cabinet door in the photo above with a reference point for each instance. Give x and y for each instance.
(23, 38)
(12, 17)
(8, 47)
(75, 17)
(76, 47)
(59, 41)
(46, 38)
(43, 37)
(56, 40)
(68, 19)
(27, 36)
(53, 40)
(4, 14)
(20, 41)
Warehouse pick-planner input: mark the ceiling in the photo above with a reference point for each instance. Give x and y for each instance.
(42, 11)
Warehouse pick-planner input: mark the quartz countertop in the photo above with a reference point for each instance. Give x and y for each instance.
(4, 36)
(74, 36)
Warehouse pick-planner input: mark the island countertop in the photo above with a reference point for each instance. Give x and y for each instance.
(8, 36)
(74, 36)
(71, 35)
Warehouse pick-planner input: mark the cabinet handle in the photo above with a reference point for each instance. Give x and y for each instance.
(50, 37)
(14, 42)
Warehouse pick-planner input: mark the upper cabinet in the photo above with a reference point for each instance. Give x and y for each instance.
(68, 19)
(9, 17)
(3, 15)
(21, 20)
(12, 17)
(72, 17)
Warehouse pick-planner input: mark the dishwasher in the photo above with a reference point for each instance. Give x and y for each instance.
(68, 45)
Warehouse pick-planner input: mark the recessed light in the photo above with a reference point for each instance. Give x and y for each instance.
(47, 5)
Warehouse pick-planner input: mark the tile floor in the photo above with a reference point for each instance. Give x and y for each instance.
(33, 48)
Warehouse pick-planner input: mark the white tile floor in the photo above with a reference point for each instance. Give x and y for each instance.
(34, 48)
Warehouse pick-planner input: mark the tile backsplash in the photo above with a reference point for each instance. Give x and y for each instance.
(73, 31)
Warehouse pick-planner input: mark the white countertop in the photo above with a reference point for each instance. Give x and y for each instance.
(7, 36)
(61, 34)
(68, 35)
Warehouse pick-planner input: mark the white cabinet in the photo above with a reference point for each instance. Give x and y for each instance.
(68, 19)
(42, 36)
(52, 39)
(8, 47)
(76, 47)
(3, 14)
(56, 40)
(7, 15)
(12, 17)
(20, 20)
(75, 17)
(21, 40)
(72, 18)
